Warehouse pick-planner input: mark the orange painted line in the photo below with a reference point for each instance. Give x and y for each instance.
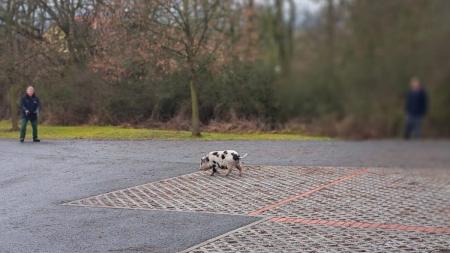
(305, 194)
(355, 224)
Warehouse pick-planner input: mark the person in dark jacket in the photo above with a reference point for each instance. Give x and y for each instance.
(416, 107)
(30, 106)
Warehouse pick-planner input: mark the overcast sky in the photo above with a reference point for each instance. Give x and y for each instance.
(302, 5)
(308, 5)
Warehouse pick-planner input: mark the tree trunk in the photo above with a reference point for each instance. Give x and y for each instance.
(195, 113)
(280, 35)
(12, 97)
(331, 23)
(13, 76)
(290, 33)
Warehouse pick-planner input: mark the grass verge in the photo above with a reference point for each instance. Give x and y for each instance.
(47, 132)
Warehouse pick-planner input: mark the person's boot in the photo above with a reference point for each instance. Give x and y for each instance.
(22, 140)
(36, 140)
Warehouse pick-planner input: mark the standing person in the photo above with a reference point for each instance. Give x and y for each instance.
(416, 108)
(30, 109)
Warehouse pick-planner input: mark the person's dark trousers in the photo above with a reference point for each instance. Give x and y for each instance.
(413, 126)
(23, 128)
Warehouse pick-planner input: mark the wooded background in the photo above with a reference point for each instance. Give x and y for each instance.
(340, 70)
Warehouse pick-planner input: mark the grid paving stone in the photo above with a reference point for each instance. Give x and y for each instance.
(303, 208)
(269, 237)
(378, 198)
(199, 192)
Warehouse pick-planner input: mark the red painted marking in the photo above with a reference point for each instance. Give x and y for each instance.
(305, 194)
(355, 224)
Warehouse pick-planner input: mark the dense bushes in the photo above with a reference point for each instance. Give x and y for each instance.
(240, 91)
(346, 76)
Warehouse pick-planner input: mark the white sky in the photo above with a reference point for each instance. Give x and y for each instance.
(308, 5)
(302, 5)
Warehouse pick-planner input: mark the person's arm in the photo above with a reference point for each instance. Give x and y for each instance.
(24, 108)
(38, 107)
(425, 103)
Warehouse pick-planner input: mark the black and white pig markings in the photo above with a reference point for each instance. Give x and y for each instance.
(227, 160)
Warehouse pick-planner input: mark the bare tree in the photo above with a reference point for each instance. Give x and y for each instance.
(188, 34)
(330, 35)
(18, 22)
(74, 19)
(283, 32)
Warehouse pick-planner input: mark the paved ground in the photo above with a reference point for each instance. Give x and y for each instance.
(47, 190)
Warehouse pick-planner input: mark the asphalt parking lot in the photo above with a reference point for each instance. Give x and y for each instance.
(55, 197)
